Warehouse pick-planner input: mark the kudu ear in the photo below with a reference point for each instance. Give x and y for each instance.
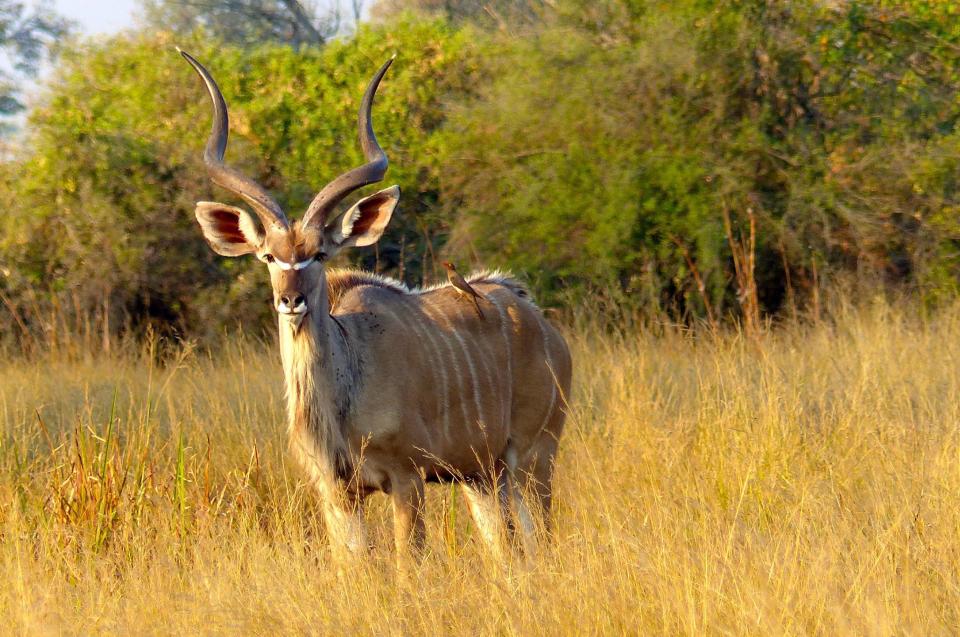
(365, 221)
(230, 231)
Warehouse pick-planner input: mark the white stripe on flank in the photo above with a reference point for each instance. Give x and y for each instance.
(425, 336)
(474, 380)
(466, 355)
(550, 371)
(508, 353)
(458, 374)
(481, 352)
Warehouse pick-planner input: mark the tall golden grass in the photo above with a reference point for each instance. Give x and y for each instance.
(806, 481)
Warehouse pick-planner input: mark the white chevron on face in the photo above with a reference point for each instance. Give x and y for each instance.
(299, 265)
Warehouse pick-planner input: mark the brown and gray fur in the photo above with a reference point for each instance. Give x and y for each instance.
(389, 388)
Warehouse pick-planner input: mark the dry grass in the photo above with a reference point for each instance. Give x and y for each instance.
(807, 483)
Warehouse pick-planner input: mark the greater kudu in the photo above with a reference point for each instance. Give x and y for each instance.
(389, 387)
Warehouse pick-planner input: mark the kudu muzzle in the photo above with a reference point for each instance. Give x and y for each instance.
(290, 301)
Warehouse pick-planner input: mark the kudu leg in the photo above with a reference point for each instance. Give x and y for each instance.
(342, 513)
(343, 516)
(517, 497)
(346, 530)
(409, 531)
(532, 478)
(488, 502)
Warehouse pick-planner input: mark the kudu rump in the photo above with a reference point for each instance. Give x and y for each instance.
(388, 387)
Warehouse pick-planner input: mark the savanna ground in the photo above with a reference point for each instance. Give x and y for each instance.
(804, 481)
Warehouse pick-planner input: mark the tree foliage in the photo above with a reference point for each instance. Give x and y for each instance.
(246, 23)
(707, 159)
(25, 36)
(487, 14)
(111, 176)
(609, 144)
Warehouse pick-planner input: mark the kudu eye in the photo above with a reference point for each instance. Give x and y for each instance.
(320, 256)
(268, 258)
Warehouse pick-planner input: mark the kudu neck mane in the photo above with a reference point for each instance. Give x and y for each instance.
(322, 375)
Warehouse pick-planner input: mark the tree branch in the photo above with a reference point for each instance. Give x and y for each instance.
(303, 20)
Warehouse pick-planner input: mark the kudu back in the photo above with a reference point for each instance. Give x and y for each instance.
(390, 387)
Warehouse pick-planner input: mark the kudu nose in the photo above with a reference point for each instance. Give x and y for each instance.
(292, 300)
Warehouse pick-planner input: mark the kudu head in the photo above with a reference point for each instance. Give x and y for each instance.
(294, 252)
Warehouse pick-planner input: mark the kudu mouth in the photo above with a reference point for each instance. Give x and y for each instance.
(294, 314)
